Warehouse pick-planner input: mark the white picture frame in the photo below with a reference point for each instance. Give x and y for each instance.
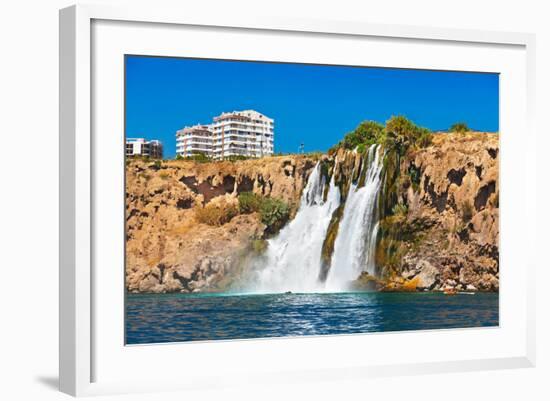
(79, 317)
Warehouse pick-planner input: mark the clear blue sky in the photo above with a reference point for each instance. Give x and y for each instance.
(312, 104)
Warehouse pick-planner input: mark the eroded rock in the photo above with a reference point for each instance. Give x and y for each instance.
(457, 191)
(167, 250)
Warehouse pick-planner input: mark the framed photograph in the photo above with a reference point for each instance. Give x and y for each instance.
(278, 200)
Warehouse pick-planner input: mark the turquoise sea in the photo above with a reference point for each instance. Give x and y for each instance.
(161, 318)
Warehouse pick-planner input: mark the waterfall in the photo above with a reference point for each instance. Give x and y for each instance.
(293, 258)
(355, 245)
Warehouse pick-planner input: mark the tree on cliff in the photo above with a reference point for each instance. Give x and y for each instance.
(366, 133)
(401, 133)
(460, 128)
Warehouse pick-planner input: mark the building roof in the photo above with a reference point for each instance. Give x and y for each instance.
(245, 114)
(143, 140)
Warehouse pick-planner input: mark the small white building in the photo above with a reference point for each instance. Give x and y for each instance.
(144, 148)
(245, 133)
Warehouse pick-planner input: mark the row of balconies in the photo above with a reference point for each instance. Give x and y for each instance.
(234, 146)
(241, 124)
(251, 138)
(193, 140)
(245, 132)
(199, 148)
(227, 142)
(232, 152)
(232, 137)
(249, 130)
(218, 136)
(187, 136)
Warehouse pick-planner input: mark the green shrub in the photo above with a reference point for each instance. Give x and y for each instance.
(425, 138)
(235, 158)
(249, 202)
(402, 133)
(200, 157)
(274, 213)
(216, 214)
(366, 133)
(197, 156)
(460, 128)
(399, 133)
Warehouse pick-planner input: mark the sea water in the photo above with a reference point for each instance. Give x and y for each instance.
(162, 318)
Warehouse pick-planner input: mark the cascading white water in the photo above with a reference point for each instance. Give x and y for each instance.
(292, 261)
(355, 244)
(293, 258)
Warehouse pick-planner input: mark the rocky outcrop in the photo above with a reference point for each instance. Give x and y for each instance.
(438, 214)
(168, 250)
(450, 191)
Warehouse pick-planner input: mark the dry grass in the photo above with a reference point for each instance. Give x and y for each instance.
(439, 137)
(216, 214)
(182, 229)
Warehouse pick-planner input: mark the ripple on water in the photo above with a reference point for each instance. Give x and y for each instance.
(194, 317)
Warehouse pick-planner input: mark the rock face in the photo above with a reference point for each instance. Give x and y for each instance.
(438, 213)
(451, 190)
(167, 250)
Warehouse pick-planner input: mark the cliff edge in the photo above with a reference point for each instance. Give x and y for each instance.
(443, 231)
(170, 248)
(437, 216)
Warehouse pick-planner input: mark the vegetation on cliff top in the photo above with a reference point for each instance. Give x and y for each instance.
(201, 157)
(399, 134)
(460, 128)
(398, 138)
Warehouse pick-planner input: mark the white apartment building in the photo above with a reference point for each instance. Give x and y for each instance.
(242, 133)
(143, 147)
(193, 140)
(238, 133)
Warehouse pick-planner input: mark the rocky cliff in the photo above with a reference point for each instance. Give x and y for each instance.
(168, 249)
(437, 213)
(443, 229)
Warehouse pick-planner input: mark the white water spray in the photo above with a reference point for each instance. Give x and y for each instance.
(292, 261)
(355, 244)
(293, 258)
